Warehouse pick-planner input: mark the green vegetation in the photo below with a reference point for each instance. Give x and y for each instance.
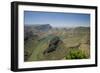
(76, 54)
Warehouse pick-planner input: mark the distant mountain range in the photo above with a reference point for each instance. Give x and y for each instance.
(34, 30)
(41, 27)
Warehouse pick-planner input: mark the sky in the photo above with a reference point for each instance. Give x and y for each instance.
(56, 19)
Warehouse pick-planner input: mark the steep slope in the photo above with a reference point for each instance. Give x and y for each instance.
(32, 34)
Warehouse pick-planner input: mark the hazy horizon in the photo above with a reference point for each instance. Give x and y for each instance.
(57, 19)
(55, 27)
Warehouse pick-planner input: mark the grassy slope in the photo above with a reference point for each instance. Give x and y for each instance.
(39, 48)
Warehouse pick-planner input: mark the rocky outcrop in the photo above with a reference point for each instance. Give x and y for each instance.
(53, 45)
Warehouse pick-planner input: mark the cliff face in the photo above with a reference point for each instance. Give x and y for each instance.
(34, 30)
(41, 27)
(44, 27)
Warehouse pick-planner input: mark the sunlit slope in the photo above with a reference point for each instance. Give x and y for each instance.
(77, 39)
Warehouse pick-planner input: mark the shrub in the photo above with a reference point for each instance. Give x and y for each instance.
(76, 54)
